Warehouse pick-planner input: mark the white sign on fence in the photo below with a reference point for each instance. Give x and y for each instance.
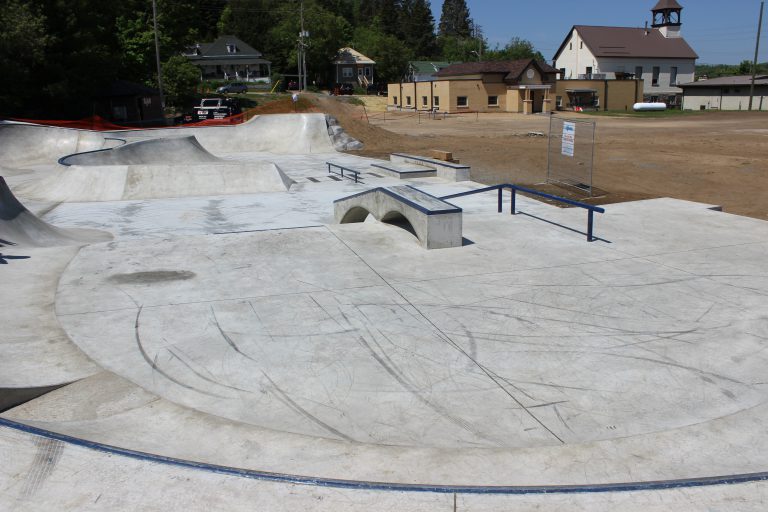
(569, 138)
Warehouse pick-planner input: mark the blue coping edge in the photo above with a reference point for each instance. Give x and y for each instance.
(63, 160)
(383, 486)
(395, 195)
(433, 161)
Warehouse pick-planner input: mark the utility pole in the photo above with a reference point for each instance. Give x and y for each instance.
(757, 51)
(302, 53)
(157, 55)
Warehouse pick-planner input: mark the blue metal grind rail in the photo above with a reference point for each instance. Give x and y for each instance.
(515, 188)
(341, 168)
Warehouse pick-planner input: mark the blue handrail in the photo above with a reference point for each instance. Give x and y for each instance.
(342, 169)
(591, 210)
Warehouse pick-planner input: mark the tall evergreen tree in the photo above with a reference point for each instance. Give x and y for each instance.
(455, 20)
(418, 28)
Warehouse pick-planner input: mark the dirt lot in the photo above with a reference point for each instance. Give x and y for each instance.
(716, 158)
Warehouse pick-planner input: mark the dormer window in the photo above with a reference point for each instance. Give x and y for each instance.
(231, 48)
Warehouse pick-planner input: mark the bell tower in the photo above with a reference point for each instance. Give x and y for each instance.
(667, 17)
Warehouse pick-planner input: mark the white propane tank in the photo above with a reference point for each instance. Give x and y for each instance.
(649, 107)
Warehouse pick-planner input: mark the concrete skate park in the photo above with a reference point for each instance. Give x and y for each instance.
(216, 318)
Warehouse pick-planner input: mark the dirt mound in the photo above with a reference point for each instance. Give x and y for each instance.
(284, 106)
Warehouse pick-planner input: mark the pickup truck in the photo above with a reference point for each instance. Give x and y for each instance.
(216, 108)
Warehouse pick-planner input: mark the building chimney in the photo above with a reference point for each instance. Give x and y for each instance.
(646, 28)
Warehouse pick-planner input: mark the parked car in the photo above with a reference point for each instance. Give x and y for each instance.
(216, 108)
(233, 88)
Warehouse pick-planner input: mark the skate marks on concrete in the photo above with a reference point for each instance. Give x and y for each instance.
(293, 343)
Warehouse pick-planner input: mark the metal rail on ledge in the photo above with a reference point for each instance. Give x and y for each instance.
(515, 188)
(341, 168)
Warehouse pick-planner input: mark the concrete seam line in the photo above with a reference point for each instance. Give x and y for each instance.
(383, 486)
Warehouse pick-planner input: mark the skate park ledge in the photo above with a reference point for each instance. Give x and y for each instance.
(446, 170)
(436, 223)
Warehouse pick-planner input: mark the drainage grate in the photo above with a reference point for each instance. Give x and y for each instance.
(335, 178)
(314, 180)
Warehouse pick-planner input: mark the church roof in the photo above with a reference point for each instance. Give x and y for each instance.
(631, 42)
(667, 4)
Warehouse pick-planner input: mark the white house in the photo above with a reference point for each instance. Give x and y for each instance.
(659, 55)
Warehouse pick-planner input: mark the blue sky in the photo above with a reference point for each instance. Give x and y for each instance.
(720, 32)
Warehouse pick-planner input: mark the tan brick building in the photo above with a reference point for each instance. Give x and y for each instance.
(523, 86)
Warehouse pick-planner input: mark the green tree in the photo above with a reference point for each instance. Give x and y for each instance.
(517, 48)
(180, 79)
(455, 20)
(390, 53)
(418, 28)
(23, 43)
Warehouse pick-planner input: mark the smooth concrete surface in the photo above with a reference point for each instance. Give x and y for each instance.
(436, 224)
(120, 182)
(250, 331)
(22, 144)
(179, 150)
(20, 227)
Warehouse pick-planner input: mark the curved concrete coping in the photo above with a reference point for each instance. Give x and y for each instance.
(436, 223)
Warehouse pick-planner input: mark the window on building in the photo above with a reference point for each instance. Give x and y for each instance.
(559, 102)
(394, 100)
(424, 101)
(493, 101)
(407, 101)
(436, 101)
(367, 71)
(673, 76)
(231, 48)
(462, 102)
(347, 72)
(570, 46)
(359, 71)
(656, 73)
(589, 72)
(639, 72)
(562, 73)
(581, 45)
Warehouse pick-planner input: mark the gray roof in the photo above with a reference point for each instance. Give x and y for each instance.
(218, 51)
(725, 81)
(631, 42)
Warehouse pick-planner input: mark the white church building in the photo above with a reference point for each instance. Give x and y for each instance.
(659, 54)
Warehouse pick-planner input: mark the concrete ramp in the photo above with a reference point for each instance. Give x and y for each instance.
(25, 144)
(122, 182)
(176, 150)
(436, 223)
(20, 227)
(278, 133)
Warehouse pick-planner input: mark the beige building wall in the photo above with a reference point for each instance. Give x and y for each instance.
(618, 95)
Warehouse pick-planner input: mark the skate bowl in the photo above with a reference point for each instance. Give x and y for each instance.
(24, 144)
(20, 227)
(279, 134)
(121, 182)
(178, 150)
